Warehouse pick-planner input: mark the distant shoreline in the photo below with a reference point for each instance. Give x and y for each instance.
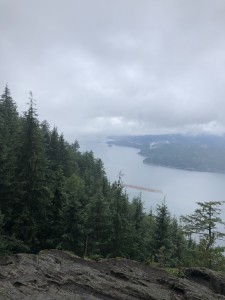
(177, 168)
(135, 146)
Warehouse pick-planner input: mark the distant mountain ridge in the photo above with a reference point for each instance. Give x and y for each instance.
(204, 153)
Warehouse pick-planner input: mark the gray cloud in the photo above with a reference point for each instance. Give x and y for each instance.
(111, 67)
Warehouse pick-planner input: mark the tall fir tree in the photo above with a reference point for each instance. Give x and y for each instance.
(30, 214)
(162, 238)
(121, 241)
(9, 144)
(73, 216)
(98, 226)
(204, 222)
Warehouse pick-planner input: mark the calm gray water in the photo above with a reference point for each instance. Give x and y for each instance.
(182, 189)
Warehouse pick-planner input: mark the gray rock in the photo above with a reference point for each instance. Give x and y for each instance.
(54, 275)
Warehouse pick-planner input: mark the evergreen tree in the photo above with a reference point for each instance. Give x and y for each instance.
(73, 157)
(98, 226)
(54, 196)
(73, 216)
(51, 236)
(149, 225)
(121, 242)
(162, 238)
(9, 143)
(30, 213)
(179, 250)
(139, 229)
(204, 222)
(76, 146)
(87, 166)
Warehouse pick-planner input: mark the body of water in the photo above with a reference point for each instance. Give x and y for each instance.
(181, 189)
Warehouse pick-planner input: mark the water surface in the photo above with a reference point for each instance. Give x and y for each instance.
(181, 189)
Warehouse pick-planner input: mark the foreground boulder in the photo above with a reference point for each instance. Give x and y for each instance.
(54, 275)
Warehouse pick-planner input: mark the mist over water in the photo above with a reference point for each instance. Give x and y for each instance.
(181, 189)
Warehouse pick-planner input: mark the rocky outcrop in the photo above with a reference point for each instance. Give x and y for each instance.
(215, 280)
(54, 275)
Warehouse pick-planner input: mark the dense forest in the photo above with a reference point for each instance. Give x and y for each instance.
(54, 196)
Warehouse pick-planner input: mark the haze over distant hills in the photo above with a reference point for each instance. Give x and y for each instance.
(204, 153)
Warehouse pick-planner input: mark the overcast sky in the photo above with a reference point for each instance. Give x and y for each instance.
(117, 67)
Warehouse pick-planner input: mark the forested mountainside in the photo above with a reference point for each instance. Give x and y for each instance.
(52, 196)
(196, 153)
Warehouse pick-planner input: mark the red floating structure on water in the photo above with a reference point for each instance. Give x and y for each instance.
(142, 188)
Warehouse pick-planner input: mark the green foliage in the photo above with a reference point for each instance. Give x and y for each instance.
(33, 191)
(98, 226)
(73, 216)
(175, 272)
(54, 196)
(12, 245)
(162, 238)
(204, 222)
(9, 144)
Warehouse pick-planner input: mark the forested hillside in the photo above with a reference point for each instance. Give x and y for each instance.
(205, 153)
(54, 196)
